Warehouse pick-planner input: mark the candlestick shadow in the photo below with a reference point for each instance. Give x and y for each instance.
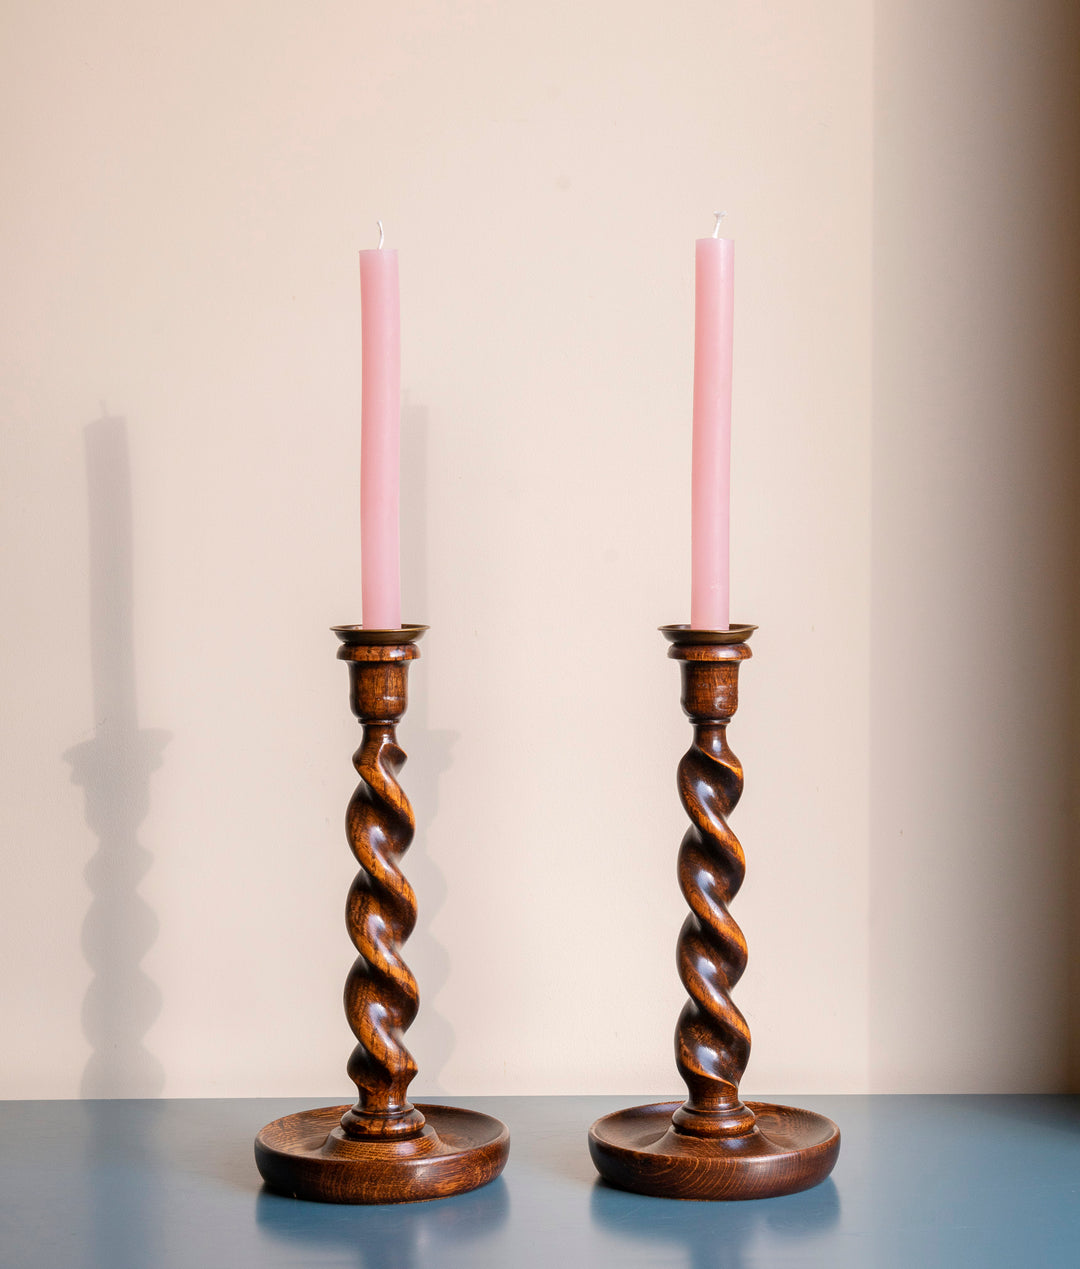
(114, 769)
(430, 751)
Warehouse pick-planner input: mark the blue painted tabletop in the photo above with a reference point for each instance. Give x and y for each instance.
(921, 1182)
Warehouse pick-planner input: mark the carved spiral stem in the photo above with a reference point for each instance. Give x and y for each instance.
(381, 997)
(712, 1039)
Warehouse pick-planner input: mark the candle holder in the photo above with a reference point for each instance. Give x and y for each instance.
(382, 1149)
(712, 1146)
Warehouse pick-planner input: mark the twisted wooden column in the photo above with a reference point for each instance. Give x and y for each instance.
(381, 996)
(382, 1149)
(713, 1145)
(712, 1040)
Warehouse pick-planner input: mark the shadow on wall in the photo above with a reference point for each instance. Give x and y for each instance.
(976, 544)
(430, 752)
(114, 769)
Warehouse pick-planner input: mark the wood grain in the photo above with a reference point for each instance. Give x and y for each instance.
(381, 995)
(383, 1149)
(308, 1156)
(784, 1151)
(712, 1145)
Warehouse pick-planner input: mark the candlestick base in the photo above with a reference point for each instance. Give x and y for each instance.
(787, 1150)
(307, 1156)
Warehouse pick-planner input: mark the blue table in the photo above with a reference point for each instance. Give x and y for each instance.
(922, 1182)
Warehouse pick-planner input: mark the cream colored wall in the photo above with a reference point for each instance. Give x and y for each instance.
(976, 514)
(186, 191)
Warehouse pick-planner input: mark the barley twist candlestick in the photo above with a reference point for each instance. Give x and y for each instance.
(381, 997)
(382, 1150)
(712, 1146)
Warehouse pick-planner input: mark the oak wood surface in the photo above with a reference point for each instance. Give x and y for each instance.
(712, 1145)
(308, 1156)
(383, 1149)
(784, 1151)
(381, 994)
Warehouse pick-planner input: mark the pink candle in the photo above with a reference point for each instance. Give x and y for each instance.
(714, 291)
(379, 439)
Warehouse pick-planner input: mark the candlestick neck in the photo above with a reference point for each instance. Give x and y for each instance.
(378, 670)
(710, 683)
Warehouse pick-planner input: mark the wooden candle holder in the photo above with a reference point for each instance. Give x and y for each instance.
(712, 1146)
(383, 1149)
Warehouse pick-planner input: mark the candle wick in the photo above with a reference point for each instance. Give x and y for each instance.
(381, 234)
(716, 228)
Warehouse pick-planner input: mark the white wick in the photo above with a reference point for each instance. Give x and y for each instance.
(381, 234)
(716, 228)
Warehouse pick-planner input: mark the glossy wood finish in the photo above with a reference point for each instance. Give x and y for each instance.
(712, 1040)
(308, 1156)
(383, 1150)
(712, 1145)
(785, 1150)
(381, 996)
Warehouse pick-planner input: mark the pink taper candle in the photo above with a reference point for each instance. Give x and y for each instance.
(714, 292)
(379, 438)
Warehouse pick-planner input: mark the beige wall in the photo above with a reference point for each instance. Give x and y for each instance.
(976, 523)
(186, 190)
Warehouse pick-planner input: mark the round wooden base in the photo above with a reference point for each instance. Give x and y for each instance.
(308, 1157)
(787, 1150)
